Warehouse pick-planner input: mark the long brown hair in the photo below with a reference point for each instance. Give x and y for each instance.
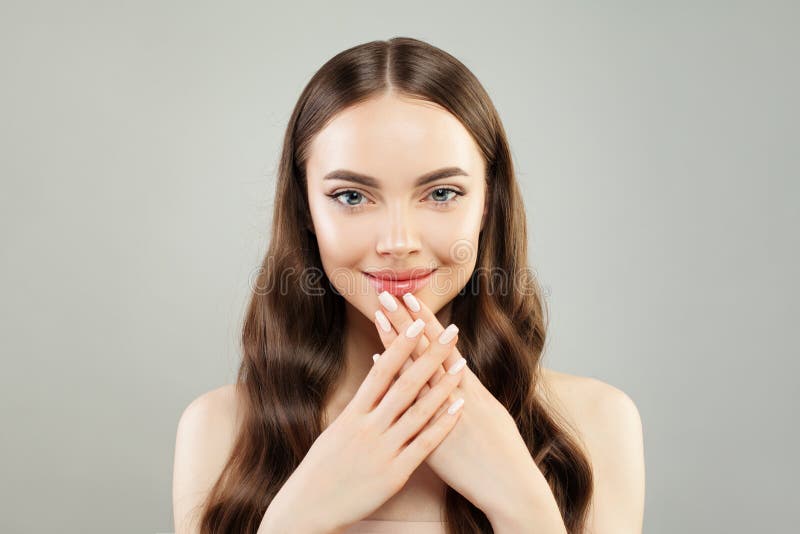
(292, 333)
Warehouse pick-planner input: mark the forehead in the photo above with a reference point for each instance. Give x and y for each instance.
(393, 137)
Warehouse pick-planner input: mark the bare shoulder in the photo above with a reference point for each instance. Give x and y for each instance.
(590, 403)
(203, 442)
(607, 422)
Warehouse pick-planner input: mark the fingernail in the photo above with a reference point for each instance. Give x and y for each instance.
(388, 301)
(383, 321)
(448, 334)
(455, 406)
(375, 357)
(456, 367)
(411, 302)
(415, 328)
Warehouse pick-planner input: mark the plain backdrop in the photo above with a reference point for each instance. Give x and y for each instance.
(656, 145)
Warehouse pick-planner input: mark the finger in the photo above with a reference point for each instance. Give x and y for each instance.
(409, 385)
(433, 329)
(422, 411)
(387, 334)
(397, 315)
(384, 369)
(429, 438)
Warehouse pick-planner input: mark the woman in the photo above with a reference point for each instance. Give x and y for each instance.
(399, 233)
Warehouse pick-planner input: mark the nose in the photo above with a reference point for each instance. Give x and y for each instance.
(398, 236)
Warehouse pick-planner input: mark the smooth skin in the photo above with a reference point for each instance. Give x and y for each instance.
(486, 440)
(374, 445)
(397, 224)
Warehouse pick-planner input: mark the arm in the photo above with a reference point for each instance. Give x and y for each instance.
(531, 507)
(202, 446)
(616, 442)
(204, 441)
(612, 429)
(282, 518)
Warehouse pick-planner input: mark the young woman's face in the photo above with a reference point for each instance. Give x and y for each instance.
(371, 213)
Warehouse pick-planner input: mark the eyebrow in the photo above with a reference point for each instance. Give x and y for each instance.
(369, 181)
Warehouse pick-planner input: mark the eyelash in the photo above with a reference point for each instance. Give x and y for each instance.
(358, 207)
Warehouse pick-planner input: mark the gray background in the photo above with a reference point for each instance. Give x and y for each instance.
(656, 145)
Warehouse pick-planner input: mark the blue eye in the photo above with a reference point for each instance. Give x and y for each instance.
(348, 195)
(446, 190)
(353, 195)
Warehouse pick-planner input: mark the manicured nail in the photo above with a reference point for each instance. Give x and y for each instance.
(375, 357)
(456, 367)
(411, 302)
(388, 301)
(455, 406)
(448, 334)
(383, 321)
(415, 328)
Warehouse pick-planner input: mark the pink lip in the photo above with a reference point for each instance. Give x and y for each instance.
(396, 284)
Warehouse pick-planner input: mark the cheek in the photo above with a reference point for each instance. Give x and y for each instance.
(455, 240)
(455, 244)
(457, 257)
(342, 247)
(341, 243)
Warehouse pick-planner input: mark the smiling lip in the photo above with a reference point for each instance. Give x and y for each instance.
(399, 282)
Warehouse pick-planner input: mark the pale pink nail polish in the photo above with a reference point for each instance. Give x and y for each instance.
(383, 321)
(388, 301)
(415, 328)
(455, 406)
(411, 302)
(448, 334)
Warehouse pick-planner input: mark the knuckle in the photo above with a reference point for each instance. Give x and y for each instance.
(380, 372)
(367, 427)
(417, 411)
(359, 426)
(396, 478)
(438, 354)
(431, 365)
(410, 415)
(427, 441)
(451, 381)
(444, 390)
(406, 385)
